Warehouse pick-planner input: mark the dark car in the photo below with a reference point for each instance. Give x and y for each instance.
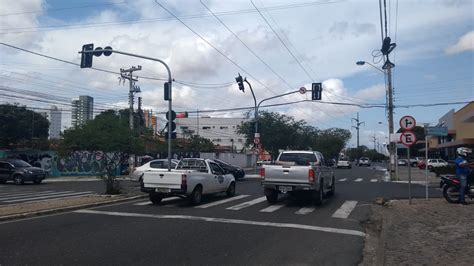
(237, 172)
(20, 171)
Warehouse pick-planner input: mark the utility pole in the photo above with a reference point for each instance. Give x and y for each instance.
(357, 127)
(374, 139)
(128, 75)
(391, 146)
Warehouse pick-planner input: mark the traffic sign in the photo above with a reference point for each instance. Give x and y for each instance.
(173, 115)
(408, 138)
(302, 90)
(407, 122)
(256, 140)
(437, 131)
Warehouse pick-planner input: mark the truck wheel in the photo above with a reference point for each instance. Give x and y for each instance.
(231, 190)
(272, 195)
(196, 195)
(18, 180)
(319, 195)
(332, 191)
(155, 198)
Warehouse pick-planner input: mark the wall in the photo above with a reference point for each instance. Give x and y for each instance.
(237, 159)
(464, 129)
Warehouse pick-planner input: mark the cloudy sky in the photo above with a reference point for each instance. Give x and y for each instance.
(279, 46)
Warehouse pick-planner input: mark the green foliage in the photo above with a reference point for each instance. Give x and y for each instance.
(197, 143)
(363, 151)
(110, 137)
(279, 131)
(20, 127)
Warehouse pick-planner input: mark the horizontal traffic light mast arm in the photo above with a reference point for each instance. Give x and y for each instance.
(277, 96)
(134, 55)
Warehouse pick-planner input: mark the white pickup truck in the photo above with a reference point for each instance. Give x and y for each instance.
(191, 178)
(300, 173)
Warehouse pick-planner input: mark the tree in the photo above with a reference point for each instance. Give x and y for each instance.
(20, 127)
(331, 141)
(110, 138)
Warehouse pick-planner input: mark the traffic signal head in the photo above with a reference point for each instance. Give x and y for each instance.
(167, 92)
(316, 91)
(86, 58)
(240, 82)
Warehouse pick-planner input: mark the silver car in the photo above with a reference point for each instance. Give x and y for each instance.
(137, 174)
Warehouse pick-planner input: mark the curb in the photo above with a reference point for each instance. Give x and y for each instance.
(67, 208)
(54, 180)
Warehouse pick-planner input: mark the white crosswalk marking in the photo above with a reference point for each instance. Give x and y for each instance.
(50, 196)
(29, 195)
(221, 202)
(358, 180)
(373, 180)
(247, 204)
(272, 208)
(23, 193)
(304, 211)
(345, 210)
(342, 180)
(149, 202)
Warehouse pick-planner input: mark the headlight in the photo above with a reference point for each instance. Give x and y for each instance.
(28, 171)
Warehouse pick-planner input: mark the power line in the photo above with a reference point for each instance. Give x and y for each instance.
(60, 9)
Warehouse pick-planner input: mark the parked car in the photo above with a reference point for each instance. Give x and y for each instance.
(402, 162)
(364, 161)
(344, 163)
(237, 172)
(20, 171)
(262, 162)
(192, 178)
(436, 163)
(137, 174)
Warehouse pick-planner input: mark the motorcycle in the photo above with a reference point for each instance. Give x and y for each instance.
(450, 185)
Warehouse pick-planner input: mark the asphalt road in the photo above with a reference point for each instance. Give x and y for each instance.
(244, 230)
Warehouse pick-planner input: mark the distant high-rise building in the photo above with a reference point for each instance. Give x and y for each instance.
(82, 110)
(54, 122)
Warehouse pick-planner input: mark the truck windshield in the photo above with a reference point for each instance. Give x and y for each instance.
(298, 158)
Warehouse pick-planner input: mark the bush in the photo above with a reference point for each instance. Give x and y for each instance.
(444, 170)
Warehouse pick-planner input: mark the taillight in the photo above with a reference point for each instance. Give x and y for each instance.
(311, 175)
(262, 173)
(184, 180)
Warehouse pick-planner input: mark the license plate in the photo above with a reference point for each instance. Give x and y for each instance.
(284, 189)
(162, 190)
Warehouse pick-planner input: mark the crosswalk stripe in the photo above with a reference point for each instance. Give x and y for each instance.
(305, 210)
(47, 197)
(358, 180)
(272, 208)
(221, 202)
(345, 210)
(24, 193)
(247, 204)
(342, 180)
(149, 202)
(373, 180)
(34, 195)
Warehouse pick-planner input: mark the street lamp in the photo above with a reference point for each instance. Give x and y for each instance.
(361, 63)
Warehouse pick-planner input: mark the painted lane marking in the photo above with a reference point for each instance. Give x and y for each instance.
(51, 196)
(342, 180)
(34, 195)
(247, 204)
(149, 202)
(373, 180)
(345, 210)
(358, 180)
(304, 211)
(229, 221)
(204, 206)
(272, 208)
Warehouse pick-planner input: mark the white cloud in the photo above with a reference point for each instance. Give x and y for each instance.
(371, 93)
(465, 43)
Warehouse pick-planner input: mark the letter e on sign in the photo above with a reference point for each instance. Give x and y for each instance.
(407, 122)
(408, 138)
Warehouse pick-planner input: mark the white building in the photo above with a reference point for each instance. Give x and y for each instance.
(221, 131)
(54, 122)
(82, 110)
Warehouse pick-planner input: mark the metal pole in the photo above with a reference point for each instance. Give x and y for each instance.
(130, 98)
(390, 119)
(357, 129)
(409, 175)
(426, 161)
(256, 120)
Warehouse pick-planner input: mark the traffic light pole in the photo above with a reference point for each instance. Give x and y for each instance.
(169, 81)
(256, 120)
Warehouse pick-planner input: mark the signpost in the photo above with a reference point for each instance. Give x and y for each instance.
(408, 138)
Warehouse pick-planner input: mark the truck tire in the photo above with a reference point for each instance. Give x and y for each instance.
(18, 180)
(319, 195)
(231, 190)
(272, 195)
(332, 191)
(155, 198)
(196, 195)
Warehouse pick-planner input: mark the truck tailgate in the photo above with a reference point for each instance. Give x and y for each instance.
(286, 174)
(165, 179)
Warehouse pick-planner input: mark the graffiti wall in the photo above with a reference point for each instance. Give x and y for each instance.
(79, 163)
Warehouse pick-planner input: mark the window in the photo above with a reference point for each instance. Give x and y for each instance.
(216, 169)
(224, 127)
(298, 158)
(4, 166)
(157, 165)
(206, 128)
(183, 127)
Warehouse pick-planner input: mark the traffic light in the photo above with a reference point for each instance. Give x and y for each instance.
(316, 91)
(240, 82)
(88, 52)
(167, 92)
(170, 125)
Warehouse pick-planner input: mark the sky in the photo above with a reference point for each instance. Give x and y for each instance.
(278, 46)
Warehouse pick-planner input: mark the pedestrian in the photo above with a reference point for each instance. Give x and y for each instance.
(463, 170)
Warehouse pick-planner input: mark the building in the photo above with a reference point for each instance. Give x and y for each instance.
(460, 126)
(82, 110)
(54, 122)
(221, 131)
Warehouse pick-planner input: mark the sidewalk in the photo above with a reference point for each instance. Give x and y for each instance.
(417, 176)
(430, 232)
